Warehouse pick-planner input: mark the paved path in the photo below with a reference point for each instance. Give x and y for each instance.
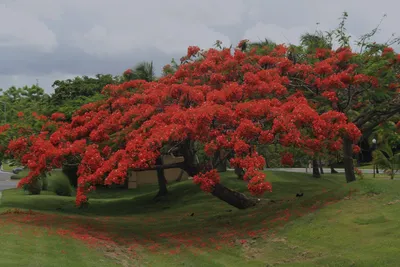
(5, 182)
(326, 170)
(303, 170)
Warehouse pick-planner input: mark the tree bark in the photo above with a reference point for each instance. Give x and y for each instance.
(316, 173)
(221, 162)
(321, 169)
(180, 176)
(189, 155)
(162, 182)
(333, 171)
(233, 198)
(222, 167)
(348, 160)
(239, 172)
(70, 170)
(225, 194)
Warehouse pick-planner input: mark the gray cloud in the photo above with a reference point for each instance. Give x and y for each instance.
(58, 39)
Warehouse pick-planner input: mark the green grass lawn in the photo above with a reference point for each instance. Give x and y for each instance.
(7, 167)
(30, 245)
(333, 224)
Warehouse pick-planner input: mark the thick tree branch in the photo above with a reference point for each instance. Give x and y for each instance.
(162, 167)
(302, 84)
(369, 127)
(375, 117)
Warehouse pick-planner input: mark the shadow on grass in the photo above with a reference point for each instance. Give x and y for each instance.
(182, 196)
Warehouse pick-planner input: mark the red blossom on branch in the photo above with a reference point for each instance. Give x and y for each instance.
(58, 116)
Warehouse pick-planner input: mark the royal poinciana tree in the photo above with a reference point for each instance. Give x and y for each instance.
(222, 100)
(23, 127)
(363, 86)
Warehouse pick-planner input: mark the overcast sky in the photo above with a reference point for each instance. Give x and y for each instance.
(58, 39)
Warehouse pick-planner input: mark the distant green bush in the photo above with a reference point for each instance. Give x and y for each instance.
(15, 177)
(20, 175)
(59, 183)
(45, 183)
(34, 188)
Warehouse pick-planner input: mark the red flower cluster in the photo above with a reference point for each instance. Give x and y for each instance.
(58, 116)
(207, 180)
(287, 159)
(356, 149)
(127, 72)
(4, 128)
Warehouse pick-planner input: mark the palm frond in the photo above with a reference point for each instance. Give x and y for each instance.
(381, 160)
(315, 40)
(144, 71)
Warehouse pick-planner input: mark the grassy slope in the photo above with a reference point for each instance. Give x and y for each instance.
(315, 230)
(25, 245)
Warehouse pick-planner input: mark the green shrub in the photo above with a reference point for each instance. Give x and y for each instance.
(15, 177)
(34, 188)
(45, 183)
(59, 183)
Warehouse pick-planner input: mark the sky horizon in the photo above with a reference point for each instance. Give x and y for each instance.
(48, 40)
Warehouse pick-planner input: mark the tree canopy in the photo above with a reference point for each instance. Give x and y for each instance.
(223, 101)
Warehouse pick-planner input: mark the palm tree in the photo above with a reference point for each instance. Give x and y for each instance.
(144, 71)
(385, 158)
(316, 40)
(261, 44)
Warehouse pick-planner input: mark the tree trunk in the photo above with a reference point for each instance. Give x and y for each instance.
(162, 182)
(333, 171)
(189, 155)
(180, 176)
(70, 170)
(239, 172)
(316, 173)
(225, 194)
(330, 164)
(348, 160)
(222, 167)
(321, 168)
(236, 199)
(221, 161)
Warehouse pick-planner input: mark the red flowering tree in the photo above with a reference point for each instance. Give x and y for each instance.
(364, 86)
(18, 137)
(216, 99)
